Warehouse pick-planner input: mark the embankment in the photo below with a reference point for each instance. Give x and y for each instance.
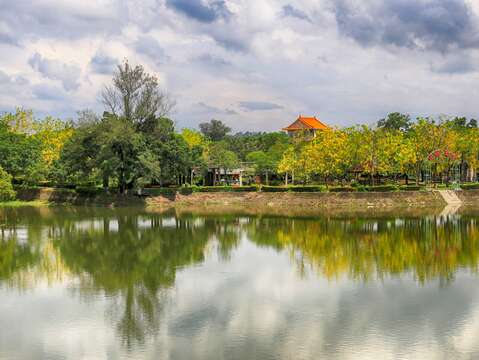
(71, 197)
(356, 201)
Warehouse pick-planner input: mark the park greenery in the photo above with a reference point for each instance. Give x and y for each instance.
(134, 144)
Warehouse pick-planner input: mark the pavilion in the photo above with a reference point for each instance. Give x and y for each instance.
(308, 125)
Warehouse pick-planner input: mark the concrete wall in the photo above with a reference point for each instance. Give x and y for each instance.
(309, 200)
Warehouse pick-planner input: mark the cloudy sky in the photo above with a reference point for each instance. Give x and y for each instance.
(255, 64)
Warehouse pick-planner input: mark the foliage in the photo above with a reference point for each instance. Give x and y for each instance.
(6, 189)
(220, 157)
(274, 188)
(410, 188)
(474, 186)
(135, 96)
(214, 130)
(89, 191)
(342, 189)
(159, 191)
(242, 144)
(395, 121)
(20, 154)
(225, 189)
(382, 188)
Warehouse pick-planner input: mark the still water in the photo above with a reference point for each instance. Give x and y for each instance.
(93, 283)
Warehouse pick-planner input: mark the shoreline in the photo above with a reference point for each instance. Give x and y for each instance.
(306, 201)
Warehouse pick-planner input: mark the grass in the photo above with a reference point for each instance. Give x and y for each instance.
(20, 203)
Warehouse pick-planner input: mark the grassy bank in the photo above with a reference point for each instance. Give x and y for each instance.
(20, 203)
(294, 197)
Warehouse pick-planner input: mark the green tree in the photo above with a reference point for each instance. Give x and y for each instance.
(135, 96)
(395, 121)
(20, 154)
(215, 130)
(6, 189)
(219, 157)
(263, 163)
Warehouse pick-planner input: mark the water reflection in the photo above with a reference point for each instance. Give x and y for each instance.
(132, 257)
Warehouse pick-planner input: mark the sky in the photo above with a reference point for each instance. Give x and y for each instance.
(254, 64)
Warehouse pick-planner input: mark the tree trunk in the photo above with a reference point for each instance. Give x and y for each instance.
(122, 182)
(286, 179)
(106, 184)
(267, 180)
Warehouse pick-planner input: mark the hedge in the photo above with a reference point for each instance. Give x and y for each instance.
(159, 191)
(244, 188)
(88, 190)
(186, 190)
(310, 188)
(267, 188)
(474, 186)
(224, 188)
(382, 188)
(410, 188)
(342, 189)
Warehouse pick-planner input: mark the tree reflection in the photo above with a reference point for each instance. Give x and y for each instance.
(428, 247)
(133, 257)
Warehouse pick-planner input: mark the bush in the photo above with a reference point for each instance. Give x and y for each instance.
(89, 190)
(187, 190)
(359, 187)
(410, 188)
(266, 188)
(382, 188)
(473, 186)
(244, 188)
(342, 189)
(310, 188)
(46, 183)
(6, 188)
(226, 189)
(213, 188)
(159, 191)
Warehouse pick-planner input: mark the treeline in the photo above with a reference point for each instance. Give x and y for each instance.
(134, 143)
(427, 150)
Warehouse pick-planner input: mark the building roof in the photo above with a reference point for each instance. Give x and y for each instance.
(304, 122)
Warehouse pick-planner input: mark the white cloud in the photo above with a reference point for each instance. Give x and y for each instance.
(236, 51)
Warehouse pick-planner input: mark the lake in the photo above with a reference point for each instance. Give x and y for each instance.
(97, 283)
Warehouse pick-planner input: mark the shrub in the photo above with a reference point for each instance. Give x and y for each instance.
(310, 188)
(342, 189)
(382, 188)
(89, 190)
(159, 191)
(45, 183)
(473, 186)
(187, 190)
(274, 188)
(359, 187)
(276, 182)
(251, 188)
(226, 189)
(410, 188)
(214, 188)
(6, 188)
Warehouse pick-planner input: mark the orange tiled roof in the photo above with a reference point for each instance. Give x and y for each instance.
(309, 122)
